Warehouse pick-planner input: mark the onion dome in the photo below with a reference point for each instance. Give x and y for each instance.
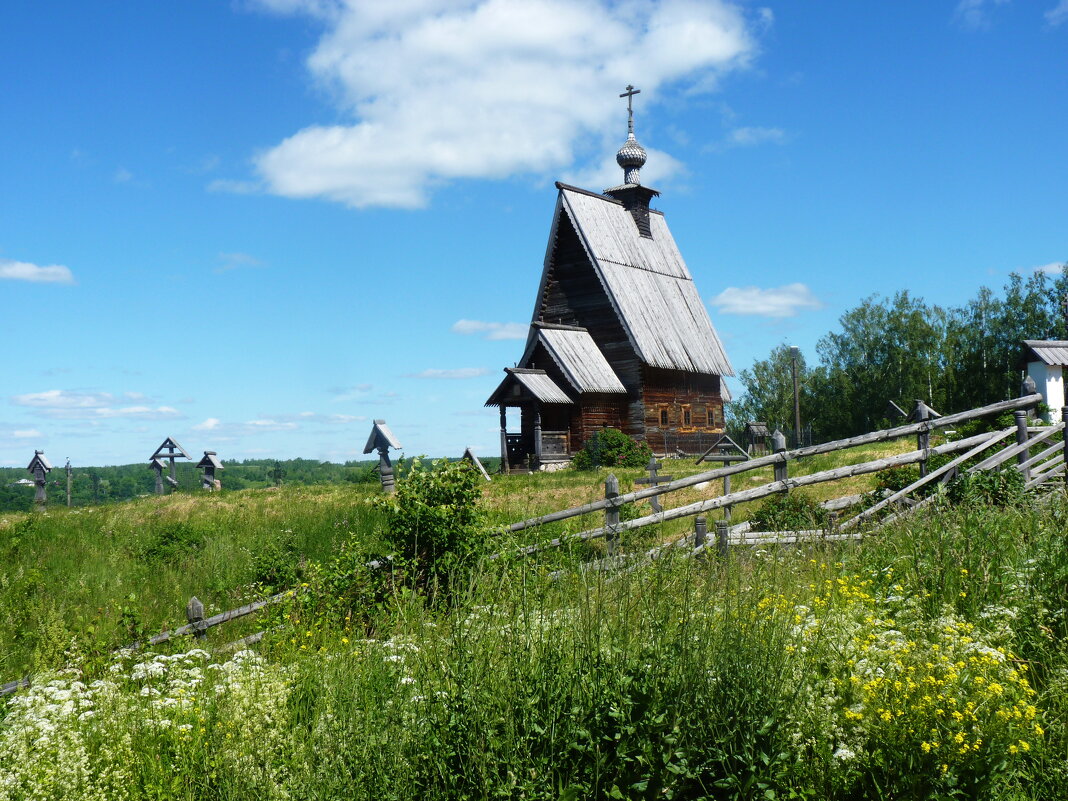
(631, 157)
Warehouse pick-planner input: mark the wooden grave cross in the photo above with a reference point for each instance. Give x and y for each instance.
(654, 479)
(169, 450)
(721, 451)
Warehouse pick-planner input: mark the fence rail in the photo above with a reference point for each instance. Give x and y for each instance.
(779, 458)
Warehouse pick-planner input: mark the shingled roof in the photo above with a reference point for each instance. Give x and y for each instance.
(577, 356)
(647, 282)
(1050, 351)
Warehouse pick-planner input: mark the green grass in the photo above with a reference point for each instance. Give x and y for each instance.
(926, 662)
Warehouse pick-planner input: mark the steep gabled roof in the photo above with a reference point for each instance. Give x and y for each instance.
(578, 357)
(646, 281)
(381, 437)
(39, 458)
(211, 459)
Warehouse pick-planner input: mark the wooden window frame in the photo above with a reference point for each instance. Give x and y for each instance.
(686, 417)
(663, 416)
(711, 416)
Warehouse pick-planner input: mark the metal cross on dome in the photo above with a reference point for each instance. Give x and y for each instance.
(629, 94)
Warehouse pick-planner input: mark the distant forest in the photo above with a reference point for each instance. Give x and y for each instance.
(98, 485)
(902, 348)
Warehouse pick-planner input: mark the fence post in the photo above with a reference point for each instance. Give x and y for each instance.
(923, 439)
(727, 491)
(1064, 419)
(611, 512)
(721, 538)
(778, 444)
(832, 523)
(700, 530)
(194, 613)
(1021, 438)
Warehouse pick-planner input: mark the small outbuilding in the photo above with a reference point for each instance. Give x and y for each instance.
(1046, 360)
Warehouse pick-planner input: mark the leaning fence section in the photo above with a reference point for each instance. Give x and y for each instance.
(1037, 468)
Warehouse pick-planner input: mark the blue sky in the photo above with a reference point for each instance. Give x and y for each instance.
(256, 226)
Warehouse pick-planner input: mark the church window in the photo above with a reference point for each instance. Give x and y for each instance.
(663, 416)
(687, 417)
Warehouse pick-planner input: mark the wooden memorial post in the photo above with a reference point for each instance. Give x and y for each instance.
(69, 476)
(653, 480)
(169, 450)
(209, 464)
(40, 467)
(157, 464)
(382, 440)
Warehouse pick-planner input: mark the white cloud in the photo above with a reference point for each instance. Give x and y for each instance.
(1057, 15)
(122, 176)
(62, 404)
(747, 136)
(1054, 267)
(24, 271)
(26, 433)
(491, 330)
(783, 301)
(210, 424)
(439, 90)
(234, 187)
(975, 14)
(234, 261)
(63, 399)
(460, 372)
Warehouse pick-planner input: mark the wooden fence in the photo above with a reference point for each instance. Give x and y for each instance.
(1037, 469)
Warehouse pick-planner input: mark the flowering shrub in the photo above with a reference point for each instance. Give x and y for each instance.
(65, 739)
(914, 705)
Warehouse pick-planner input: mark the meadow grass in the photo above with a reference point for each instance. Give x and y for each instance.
(926, 662)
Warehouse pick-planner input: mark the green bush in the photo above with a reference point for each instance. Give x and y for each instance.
(434, 517)
(789, 512)
(1002, 488)
(897, 478)
(610, 447)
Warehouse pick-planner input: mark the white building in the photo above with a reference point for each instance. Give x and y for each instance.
(1046, 360)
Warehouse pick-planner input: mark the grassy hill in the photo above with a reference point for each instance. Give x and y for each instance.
(925, 662)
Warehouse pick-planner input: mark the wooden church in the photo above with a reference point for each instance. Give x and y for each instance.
(619, 337)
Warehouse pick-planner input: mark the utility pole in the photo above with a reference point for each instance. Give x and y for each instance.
(794, 351)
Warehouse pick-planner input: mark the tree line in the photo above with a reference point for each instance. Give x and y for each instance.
(97, 485)
(902, 348)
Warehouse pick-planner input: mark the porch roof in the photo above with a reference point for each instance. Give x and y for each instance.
(510, 392)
